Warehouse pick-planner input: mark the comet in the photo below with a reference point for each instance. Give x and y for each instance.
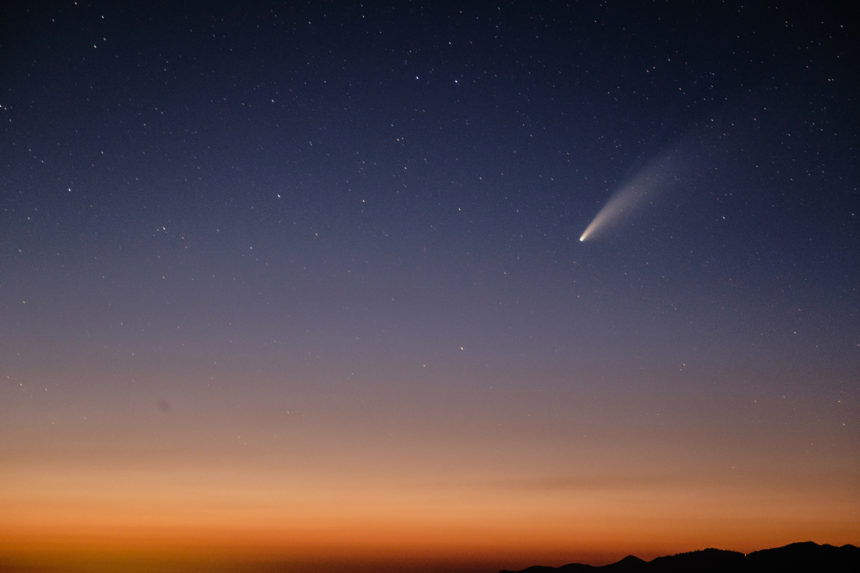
(629, 199)
(616, 210)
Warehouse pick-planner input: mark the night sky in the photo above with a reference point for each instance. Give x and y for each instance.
(302, 287)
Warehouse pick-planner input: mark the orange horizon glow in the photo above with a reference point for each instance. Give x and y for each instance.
(389, 508)
(391, 489)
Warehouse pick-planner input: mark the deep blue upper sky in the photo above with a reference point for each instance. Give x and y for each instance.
(426, 172)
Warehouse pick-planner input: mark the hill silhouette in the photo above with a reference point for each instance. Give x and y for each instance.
(806, 557)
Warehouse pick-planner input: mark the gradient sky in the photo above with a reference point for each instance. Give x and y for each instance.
(300, 287)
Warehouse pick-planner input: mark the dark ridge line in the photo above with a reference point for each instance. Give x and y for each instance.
(805, 556)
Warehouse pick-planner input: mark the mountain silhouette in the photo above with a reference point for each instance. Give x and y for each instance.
(806, 557)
